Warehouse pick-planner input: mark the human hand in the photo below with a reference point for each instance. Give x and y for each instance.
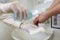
(16, 7)
(40, 18)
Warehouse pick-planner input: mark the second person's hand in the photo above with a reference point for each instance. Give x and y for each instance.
(16, 7)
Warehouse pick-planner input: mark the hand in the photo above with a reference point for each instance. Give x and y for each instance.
(16, 7)
(40, 19)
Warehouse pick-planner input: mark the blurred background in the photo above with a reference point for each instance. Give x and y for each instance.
(5, 30)
(28, 3)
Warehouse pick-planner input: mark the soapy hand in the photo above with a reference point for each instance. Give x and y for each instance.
(40, 19)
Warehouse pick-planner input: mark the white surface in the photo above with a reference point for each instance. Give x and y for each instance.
(5, 31)
(33, 29)
(56, 35)
(19, 34)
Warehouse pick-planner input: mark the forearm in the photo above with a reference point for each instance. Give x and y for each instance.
(56, 2)
(53, 11)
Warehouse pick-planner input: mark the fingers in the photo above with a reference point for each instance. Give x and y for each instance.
(21, 15)
(36, 21)
(20, 9)
(40, 19)
(27, 12)
(15, 10)
(24, 14)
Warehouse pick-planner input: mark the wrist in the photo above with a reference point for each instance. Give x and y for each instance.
(47, 14)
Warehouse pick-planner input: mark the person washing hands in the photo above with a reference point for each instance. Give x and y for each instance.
(54, 9)
(14, 7)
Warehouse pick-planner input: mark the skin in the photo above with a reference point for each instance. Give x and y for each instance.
(54, 9)
(14, 7)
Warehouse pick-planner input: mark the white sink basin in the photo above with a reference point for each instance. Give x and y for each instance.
(19, 34)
